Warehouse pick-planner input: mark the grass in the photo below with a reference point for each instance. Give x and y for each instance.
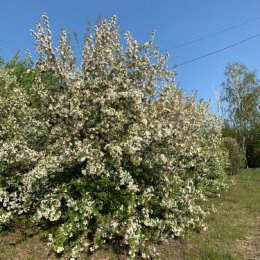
(233, 232)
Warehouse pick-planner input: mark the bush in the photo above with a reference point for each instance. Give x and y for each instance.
(253, 146)
(235, 155)
(112, 152)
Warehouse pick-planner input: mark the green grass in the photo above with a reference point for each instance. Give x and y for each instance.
(233, 232)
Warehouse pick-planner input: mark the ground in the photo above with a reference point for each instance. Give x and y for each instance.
(233, 232)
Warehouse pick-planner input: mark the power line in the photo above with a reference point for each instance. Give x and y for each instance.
(214, 52)
(210, 35)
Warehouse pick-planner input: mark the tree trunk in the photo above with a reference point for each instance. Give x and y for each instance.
(244, 151)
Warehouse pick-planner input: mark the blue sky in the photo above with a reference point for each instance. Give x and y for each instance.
(175, 22)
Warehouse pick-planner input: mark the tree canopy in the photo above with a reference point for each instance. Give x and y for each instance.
(241, 99)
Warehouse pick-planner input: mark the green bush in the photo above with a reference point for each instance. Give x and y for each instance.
(235, 155)
(112, 152)
(253, 146)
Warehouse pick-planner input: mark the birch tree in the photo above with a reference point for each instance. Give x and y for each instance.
(240, 99)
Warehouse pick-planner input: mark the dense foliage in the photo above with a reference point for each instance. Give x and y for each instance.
(241, 103)
(108, 152)
(235, 155)
(253, 145)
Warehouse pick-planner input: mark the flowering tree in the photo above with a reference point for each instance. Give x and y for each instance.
(110, 152)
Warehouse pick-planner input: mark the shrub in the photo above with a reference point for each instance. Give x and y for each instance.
(253, 146)
(112, 152)
(235, 155)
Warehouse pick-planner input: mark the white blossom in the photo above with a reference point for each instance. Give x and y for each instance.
(107, 145)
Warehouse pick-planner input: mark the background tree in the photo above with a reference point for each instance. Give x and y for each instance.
(240, 97)
(253, 146)
(18, 68)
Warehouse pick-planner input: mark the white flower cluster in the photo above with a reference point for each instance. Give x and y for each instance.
(108, 152)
